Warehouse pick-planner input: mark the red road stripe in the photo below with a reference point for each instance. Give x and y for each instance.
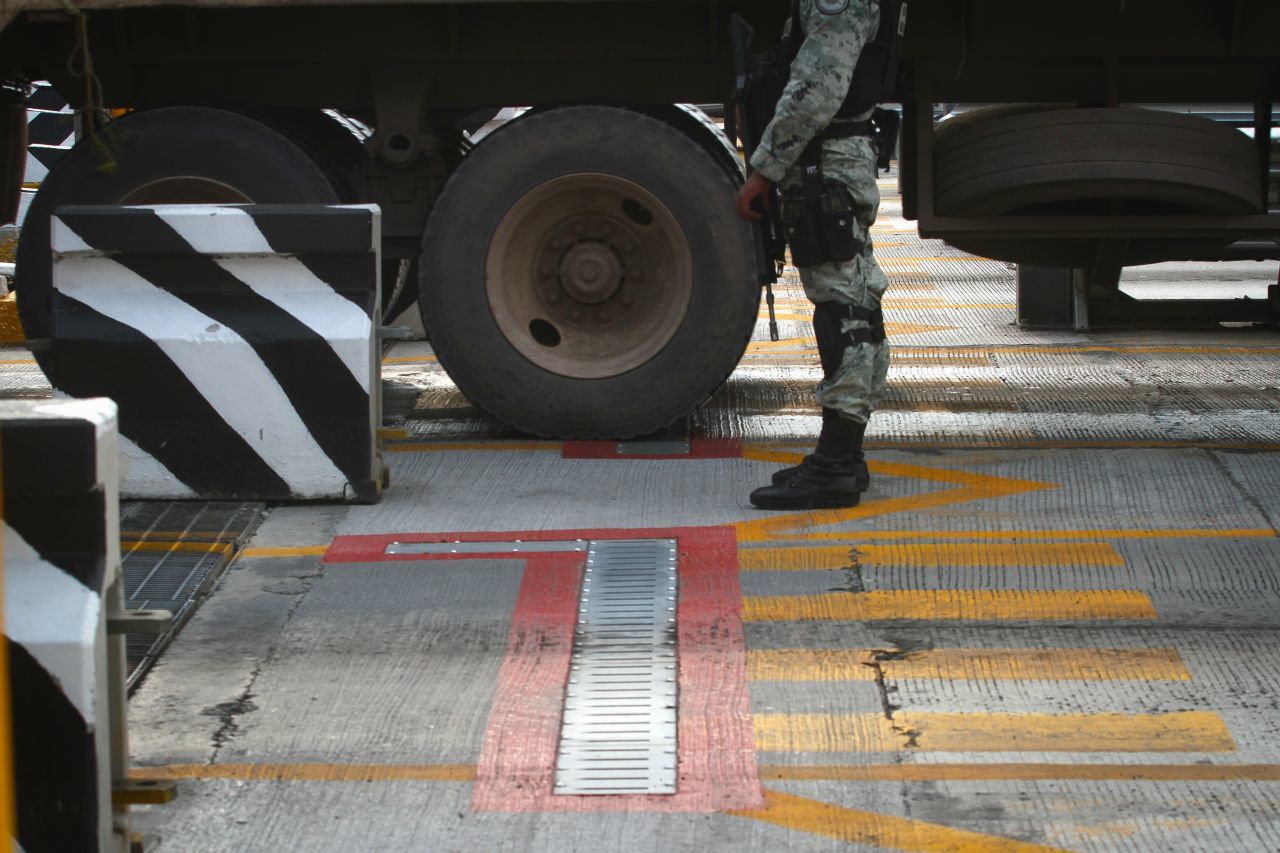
(716, 755)
(699, 448)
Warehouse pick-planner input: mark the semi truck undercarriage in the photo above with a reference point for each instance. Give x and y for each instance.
(580, 272)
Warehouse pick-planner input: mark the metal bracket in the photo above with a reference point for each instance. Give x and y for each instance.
(394, 333)
(143, 792)
(154, 622)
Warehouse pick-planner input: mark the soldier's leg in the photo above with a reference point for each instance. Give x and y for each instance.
(851, 346)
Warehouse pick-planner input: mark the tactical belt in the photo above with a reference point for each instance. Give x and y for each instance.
(845, 129)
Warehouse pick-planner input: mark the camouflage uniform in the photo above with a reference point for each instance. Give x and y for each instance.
(834, 35)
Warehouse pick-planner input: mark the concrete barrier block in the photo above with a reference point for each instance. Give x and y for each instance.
(239, 342)
(61, 558)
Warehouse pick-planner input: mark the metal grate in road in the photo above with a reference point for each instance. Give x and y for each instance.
(515, 546)
(172, 554)
(618, 734)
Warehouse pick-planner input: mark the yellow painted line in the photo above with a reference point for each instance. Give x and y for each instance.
(897, 329)
(966, 487)
(1165, 349)
(447, 446)
(878, 830)
(950, 554)
(300, 551)
(1020, 772)
(409, 359)
(192, 547)
(312, 772)
(782, 558)
(950, 604)
(788, 559)
(1183, 731)
(392, 434)
(931, 259)
(1082, 664)
(18, 361)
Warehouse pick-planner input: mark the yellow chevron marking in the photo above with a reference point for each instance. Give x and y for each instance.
(878, 830)
(949, 554)
(1082, 664)
(950, 604)
(1184, 731)
(966, 487)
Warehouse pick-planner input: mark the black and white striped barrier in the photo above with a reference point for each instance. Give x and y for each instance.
(51, 132)
(61, 576)
(239, 342)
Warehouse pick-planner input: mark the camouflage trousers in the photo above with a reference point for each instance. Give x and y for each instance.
(857, 384)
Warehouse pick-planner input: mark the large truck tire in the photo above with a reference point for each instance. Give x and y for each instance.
(584, 274)
(1024, 160)
(172, 155)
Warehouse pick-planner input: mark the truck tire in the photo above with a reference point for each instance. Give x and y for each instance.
(584, 274)
(1013, 160)
(167, 155)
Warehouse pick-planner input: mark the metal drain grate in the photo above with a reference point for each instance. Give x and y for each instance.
(173, 553)
(618, 734)
(514, 546)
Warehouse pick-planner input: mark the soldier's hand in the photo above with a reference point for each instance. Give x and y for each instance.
(756, 187)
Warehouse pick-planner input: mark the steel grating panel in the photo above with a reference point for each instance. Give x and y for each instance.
(515, 546)
(661, 447)
(618, 734)
(172, 554)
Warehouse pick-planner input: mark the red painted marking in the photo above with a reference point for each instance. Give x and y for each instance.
(716, 744)
(699, 448)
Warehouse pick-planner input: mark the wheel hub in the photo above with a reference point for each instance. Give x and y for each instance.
(589, 275)
(591, 272)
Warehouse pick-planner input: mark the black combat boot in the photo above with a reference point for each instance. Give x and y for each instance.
(834, 475)
(856, 459)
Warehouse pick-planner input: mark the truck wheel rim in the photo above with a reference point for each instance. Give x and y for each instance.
(186, 189)
(588, 275)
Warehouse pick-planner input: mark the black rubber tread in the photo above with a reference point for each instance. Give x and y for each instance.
(1023, 159)
(699, 127)
(242, 152)
(571, 140)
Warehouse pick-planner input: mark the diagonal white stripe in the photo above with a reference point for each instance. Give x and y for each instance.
(144, 476)
(215, 230)
(219, 363)
(287, 283)
(54, 617)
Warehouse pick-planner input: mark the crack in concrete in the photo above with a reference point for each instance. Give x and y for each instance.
(1250, 499)
(227, 712)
